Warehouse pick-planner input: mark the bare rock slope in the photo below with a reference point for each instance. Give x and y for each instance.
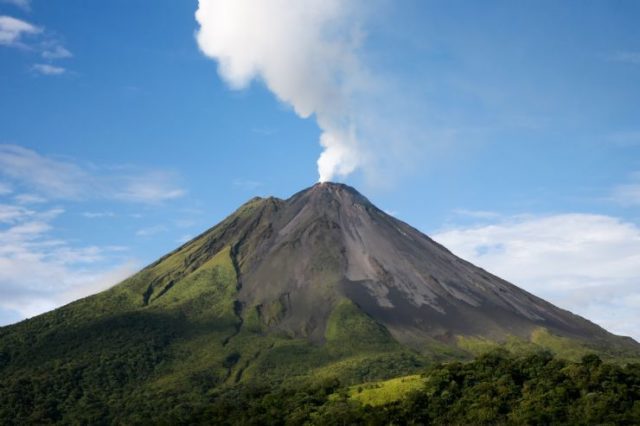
(297, 259)
(319, 289)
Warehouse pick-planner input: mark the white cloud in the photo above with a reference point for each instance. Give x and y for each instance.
(625, 138)
(628, 194)
(10, 213)
(477, 214)
(44, 43)
(29, 199)
(185, 223)
(247, 184)
(57, 178)
(39, 273)
(589, 264)
(150, 187)
(311, 54)
(54, 50)
(12, 30)
(5, 188)
(630, 57)
(150, 231)
(97, 215)
(46, 69)
(23, 4)
(306, 52)
(64, 179)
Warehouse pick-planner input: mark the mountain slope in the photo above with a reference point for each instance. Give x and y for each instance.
(329, 242)
(296, 259)
(320, 286)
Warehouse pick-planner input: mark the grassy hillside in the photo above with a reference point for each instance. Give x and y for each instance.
(387, 391)
(184, 341)
(173, 340)
(163, 340)
(543, 339)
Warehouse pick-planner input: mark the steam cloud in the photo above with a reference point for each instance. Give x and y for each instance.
(306, 52)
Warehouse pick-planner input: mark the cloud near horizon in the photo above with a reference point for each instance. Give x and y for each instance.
(64, 179)
(628, 194)
(39, 272)
(586, 263)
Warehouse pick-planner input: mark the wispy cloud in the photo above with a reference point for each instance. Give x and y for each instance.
(10, 213)
(39, 272)
(54, 50)
(264, 131)
(589, 264)
(18, 33)
(628, 194)
(476, 214)
(46, 69)
(247, 184)
(630, 57)
(185, 223)
(57, 178)
(151, 230)
(97, 215)
(626, 138)
(22, 4)
(150, 187)
(5, 188)
(29, 199)
(12, 31)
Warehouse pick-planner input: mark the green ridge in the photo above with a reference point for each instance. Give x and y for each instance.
(385, 392)
(183, 342)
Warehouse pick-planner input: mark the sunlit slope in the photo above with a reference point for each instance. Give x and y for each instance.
(320, 287)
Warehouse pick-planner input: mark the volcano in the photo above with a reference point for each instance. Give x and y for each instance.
(328, 243)
(323, 284)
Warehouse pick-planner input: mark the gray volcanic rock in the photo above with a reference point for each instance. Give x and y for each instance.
(320, 290)
(297, 258)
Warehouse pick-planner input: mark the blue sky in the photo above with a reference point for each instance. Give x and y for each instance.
(507, 130)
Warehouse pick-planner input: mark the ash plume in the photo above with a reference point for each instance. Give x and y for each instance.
(307, 52)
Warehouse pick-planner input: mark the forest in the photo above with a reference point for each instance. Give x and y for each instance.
(495, 388)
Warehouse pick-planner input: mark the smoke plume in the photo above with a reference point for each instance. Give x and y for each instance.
(307, 53)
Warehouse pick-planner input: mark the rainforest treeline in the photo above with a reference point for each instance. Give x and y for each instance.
(495, 388)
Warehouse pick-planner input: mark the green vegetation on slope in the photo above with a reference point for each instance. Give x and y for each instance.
(163, 341)
(496, 388)
(178, 344)
(385, 392)
(543, 339)
(107, 349)
(350, 330)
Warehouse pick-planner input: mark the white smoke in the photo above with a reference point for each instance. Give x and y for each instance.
(307, 54)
